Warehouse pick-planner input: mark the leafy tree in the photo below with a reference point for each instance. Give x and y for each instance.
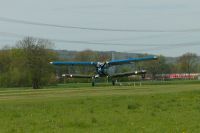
(19, 73)
(154, 67)
(5, 61)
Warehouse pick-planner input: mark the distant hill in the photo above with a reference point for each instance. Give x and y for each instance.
(66, 54)
(69, 55)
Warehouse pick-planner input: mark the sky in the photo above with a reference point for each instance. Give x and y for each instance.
(163, 27)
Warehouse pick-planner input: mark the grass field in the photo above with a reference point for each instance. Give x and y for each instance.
(101, 109)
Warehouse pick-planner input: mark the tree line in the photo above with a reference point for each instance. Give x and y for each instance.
(27, 64)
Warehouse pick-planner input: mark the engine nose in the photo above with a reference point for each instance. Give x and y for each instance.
(101, 68)
(100, 64)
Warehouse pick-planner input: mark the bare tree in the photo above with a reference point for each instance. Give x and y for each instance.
(188, 63)
(86, 55)
(37, 60)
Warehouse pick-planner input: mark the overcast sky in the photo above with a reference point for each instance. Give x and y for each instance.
(147, 15)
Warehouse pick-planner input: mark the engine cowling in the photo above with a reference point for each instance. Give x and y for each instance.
(102, 69)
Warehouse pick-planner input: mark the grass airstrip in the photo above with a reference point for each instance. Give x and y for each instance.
(169, 108)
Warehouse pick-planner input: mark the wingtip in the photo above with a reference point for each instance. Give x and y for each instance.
(155, 57)
(136, 72)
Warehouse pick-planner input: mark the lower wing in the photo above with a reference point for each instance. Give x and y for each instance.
(76, 76)
(128, 74)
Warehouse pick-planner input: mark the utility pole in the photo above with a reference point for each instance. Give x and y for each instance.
(113, 58)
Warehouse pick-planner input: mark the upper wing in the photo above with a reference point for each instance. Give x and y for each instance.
(73, 63)
(131, 60)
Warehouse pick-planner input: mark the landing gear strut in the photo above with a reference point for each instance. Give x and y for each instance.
(93, 81)
(143, 76)
(113, 82)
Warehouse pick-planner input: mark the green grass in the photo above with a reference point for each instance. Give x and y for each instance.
(107, 109)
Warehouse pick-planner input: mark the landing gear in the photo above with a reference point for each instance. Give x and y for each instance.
(93, 81)
(113, 82)
(143, 76)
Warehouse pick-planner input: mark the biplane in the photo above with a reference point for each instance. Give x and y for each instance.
(102, 68)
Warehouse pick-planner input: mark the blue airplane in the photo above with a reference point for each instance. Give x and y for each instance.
(102, 68)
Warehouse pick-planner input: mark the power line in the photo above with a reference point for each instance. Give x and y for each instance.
(132, 38)
(74, 41)
(11, 20)
(154, 45)
(168, 46)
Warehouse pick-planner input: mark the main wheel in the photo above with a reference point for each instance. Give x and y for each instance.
(93, 83)
(113, 82)
(143, 76)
